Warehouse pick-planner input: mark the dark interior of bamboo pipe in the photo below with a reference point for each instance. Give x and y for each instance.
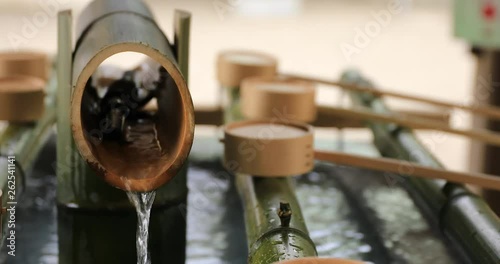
(127, 138)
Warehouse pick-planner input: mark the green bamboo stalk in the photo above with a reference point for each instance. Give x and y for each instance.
(182, 26)
(268, 239)
(465, 219)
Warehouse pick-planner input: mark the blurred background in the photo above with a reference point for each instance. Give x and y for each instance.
(412, 50)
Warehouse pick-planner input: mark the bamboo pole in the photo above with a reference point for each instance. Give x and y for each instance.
(409, 169)
(182, 29)
(486, 110)
(268, 239)
(206, 115)
(66, 149)
(413, 122)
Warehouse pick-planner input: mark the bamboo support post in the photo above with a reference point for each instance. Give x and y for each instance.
(182, 30)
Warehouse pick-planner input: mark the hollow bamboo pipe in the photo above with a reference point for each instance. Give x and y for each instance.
(485, 110)
(99, 38)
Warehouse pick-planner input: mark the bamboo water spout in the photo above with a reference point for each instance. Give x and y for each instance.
(161, 143)
(91, 156)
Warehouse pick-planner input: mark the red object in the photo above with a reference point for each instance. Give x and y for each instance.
(489, 11)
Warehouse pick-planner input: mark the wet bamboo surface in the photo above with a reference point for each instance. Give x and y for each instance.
(268, 240)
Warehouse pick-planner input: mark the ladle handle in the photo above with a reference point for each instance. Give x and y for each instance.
(410, 169)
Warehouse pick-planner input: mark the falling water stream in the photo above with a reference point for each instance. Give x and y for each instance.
(142, 202)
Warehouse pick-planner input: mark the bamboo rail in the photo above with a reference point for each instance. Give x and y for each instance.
(214, 115)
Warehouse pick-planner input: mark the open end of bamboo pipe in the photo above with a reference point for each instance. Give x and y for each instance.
(130, 149)
(151, 149)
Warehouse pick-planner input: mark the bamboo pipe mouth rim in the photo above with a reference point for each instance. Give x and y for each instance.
(320, 261)
(272, 97)
(235, 65)
(160, 171)
(268, 148)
